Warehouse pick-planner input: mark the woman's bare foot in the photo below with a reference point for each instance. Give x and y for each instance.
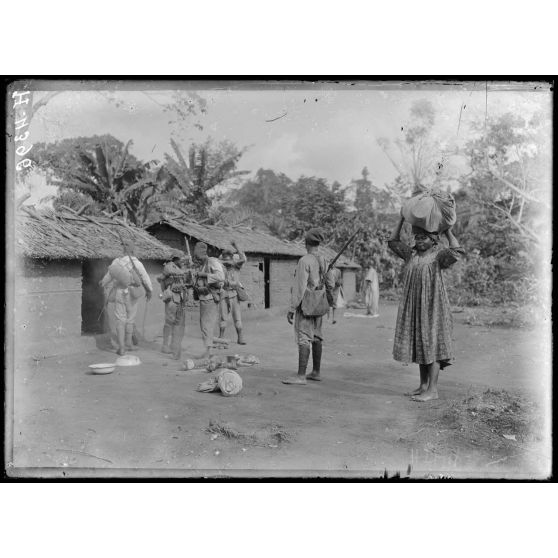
(426, 396)
(418, 391)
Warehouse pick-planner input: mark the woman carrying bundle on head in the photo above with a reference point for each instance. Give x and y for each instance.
(423, 332)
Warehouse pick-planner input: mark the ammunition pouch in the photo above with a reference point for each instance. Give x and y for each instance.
(202, 291)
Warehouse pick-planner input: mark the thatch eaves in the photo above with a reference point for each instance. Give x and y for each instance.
(62, 235)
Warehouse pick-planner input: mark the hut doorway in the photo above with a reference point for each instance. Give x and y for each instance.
(92, 297)
(267, 284)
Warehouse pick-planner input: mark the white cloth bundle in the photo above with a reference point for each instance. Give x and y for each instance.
(430, 209)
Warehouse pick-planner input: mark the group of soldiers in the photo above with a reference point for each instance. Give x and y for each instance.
(215, 283)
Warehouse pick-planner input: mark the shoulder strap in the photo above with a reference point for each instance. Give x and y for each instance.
(322, 275)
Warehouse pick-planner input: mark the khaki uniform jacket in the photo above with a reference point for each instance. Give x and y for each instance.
(307, 276)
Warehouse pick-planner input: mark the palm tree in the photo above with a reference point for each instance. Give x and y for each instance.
(190, 181)
(100, 171)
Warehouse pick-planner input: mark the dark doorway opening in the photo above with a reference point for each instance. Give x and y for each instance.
(92, 297)
(267, 285)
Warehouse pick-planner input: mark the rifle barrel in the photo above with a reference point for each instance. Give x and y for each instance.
(342, 250)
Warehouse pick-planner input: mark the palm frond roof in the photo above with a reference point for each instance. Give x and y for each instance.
(53, 234)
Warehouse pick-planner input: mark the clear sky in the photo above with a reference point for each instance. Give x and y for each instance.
(330, 133)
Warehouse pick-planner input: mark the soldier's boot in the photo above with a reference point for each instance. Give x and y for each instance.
(129, 341)
(240, 340)
(167, 332)
(176, 344)
(316, 361)
(303, 357)
(221, 333)
(121, 336)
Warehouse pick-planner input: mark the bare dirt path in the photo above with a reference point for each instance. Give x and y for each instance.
(151, 419)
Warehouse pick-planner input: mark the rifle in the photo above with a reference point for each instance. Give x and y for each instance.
(188, 249)
(330, 267)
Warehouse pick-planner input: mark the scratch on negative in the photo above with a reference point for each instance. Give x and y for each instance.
(274, 119)
(459, 123)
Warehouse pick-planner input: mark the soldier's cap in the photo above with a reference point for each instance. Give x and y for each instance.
(200, 249)
(315, 236)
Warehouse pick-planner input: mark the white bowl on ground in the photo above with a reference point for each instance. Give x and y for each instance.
(102, 368)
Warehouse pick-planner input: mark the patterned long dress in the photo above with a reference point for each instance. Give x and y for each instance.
(423, 331)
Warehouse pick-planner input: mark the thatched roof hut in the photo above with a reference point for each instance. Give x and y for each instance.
(63, 235)
(60, 259)
(251, 241)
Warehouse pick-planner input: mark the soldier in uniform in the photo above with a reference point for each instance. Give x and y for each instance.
(230, 305)
(175, 281)
(308, 330)
(208, 284)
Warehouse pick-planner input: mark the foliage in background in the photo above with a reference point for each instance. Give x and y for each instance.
(96, 174)
(99, 169)
(191, 178)
(510, 164)
(503, 211)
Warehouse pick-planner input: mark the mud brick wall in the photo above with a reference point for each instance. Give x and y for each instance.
(47, 301)
(349, 284)
(252, 278)
(281, 277)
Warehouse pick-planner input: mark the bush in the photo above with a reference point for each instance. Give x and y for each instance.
(478, 280)
(470, 282)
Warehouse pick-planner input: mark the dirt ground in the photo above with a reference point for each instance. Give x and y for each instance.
(149, 420)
